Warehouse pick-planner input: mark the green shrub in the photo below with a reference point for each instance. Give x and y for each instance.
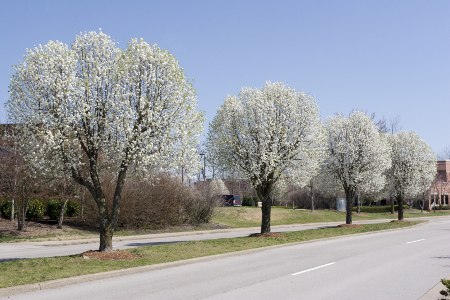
(377, 209)
(72, 209)
(442, 207)
(249, 201)
(5, 209)
(445, 292)
(53, 208)
(36, 209)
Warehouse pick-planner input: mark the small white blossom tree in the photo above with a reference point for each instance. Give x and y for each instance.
(358, 155)
(264, 134)
(93, 109)
(218, 188)
(413, 167)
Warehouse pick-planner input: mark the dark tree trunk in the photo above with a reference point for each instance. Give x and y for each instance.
(263, 192)
(13, 204)
(61, 214)
(22, 213)
(21, 225)
(358, 204)
(108, 218)
(400, 206)
(106, 235)
(108, 221)
(265, 220)
(349, 197)
(106, 231)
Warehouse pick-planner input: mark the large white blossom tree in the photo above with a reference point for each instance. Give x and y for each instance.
(413, 167)
(357, 155)
(93, 109)
(265, 134)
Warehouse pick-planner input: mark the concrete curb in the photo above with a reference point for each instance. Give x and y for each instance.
(54, 284)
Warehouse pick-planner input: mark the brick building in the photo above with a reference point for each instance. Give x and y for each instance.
(440, 188)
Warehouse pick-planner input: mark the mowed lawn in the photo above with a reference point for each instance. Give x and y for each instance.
(236, 217)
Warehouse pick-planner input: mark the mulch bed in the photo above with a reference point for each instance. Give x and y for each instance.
(111, 255)
(266, 235)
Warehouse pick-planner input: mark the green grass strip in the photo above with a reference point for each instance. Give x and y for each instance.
(27, 271)
(238, 217)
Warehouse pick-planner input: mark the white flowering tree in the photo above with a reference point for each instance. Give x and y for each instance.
(357, 155)
(264, 134)
(413, 167)
(217, 188)
(93, 109)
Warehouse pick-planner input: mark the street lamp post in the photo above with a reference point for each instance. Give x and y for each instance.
(204, 166)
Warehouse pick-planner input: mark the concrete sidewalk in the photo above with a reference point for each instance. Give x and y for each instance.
(434, 292)
(280, 228)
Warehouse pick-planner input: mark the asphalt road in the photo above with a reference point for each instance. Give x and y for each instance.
(10, 251)
(401, 264)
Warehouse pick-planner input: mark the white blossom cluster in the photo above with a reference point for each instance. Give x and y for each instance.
(92, 101)
(268, 133)
(217, 188)
(357, 154)
(413, 165)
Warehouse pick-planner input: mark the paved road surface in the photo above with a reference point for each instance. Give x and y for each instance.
(401, 264)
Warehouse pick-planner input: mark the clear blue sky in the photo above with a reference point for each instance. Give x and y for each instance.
(388, 57)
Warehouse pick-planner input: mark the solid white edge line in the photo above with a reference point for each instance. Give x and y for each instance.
(312, 269)
(415, 241)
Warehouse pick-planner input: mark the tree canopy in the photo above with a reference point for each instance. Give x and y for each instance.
(265, 134)
(357, 155)
(93, 108)
(413, 167)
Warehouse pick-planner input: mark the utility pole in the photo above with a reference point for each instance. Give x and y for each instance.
(204, 166)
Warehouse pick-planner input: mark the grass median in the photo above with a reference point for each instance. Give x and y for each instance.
(27, 271)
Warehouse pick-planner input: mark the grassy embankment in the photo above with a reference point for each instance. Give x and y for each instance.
(251, 216)
(27, 271)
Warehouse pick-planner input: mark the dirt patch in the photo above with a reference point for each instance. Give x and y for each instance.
(111, 255)
(32, 229)
(349, 225)
(44, 229)
(266, 235)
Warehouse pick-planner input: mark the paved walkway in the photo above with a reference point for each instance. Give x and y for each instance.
(11, 251)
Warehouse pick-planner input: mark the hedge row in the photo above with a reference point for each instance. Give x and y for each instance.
(37, 209)
(378, 209)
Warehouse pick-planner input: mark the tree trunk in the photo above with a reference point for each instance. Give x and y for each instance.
(106, 235)
(61, 214)
(358, 204)
(400, 206)
(265, 221)
(349, 196)
(11, 217)
(21, 225)
(22, 213)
